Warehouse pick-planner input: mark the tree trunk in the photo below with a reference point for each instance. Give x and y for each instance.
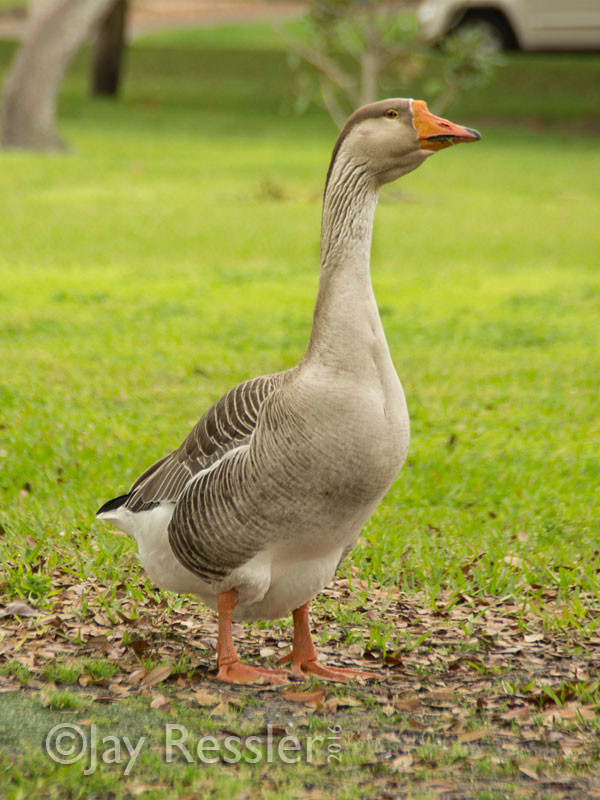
(39, 8)
(370, 67)
(108, 50)
(31, 87)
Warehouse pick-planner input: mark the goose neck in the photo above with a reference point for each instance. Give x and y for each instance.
(346, 316)
(347, 219)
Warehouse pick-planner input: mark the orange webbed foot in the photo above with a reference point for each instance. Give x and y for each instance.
(231, 669)
(340, 674)
(238, 672)
(304, 655)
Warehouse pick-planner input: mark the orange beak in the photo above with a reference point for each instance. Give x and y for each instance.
(436, 133)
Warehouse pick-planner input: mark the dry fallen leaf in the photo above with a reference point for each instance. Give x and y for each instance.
(273, 730)
(137, 675)
(402, 763)
(408, 704)
(441, 787)
(119, 689)
(518, 715)
(349, 702)
(18, 610)
(513, 561)
(136, 789)
(473, 736)
(139, 646)
(392, 660)
(220, 710)
(155, 676)
(570, 712)
(161, 703)
(529, 771)
(314, 698)
(440, 696)
(45, 699)
(204, 698)
(533, 637)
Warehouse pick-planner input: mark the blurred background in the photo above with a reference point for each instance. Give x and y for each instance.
(335, 54)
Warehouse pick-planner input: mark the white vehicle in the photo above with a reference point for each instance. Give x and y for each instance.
(521, 24)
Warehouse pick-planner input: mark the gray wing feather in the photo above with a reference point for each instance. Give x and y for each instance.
(228, 424)
(204, 529)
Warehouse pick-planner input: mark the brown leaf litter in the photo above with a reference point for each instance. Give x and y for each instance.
(487, 678)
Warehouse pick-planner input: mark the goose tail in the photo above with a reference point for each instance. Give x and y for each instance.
(114, 511)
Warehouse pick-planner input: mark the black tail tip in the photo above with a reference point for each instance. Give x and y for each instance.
(116, 502)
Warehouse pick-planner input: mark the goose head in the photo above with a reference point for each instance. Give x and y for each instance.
(393, 137)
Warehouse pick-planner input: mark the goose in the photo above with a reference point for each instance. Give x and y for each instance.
(256, 509)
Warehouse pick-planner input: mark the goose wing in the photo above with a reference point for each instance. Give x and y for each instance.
(210, 531)
(227, 425)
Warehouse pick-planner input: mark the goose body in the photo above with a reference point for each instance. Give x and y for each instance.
(289, 511)
(258, 506)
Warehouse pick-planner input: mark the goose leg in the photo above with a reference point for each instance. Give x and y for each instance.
(304, 654)
(231, 669)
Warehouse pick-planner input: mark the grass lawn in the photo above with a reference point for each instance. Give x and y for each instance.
(173, 254)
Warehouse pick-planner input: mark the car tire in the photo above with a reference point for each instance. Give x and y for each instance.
(493, 27)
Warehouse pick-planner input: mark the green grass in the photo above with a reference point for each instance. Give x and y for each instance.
(60, 672)
(149, 271)
(24, 718)
(174, 253)
(7, 6)
(14, 668)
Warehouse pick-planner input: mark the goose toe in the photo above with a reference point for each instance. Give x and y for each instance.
(238, 672)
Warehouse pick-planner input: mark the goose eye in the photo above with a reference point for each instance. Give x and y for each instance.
(391, 113)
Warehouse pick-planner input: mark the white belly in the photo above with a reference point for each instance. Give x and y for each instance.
(294, 580)
(272, 584)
